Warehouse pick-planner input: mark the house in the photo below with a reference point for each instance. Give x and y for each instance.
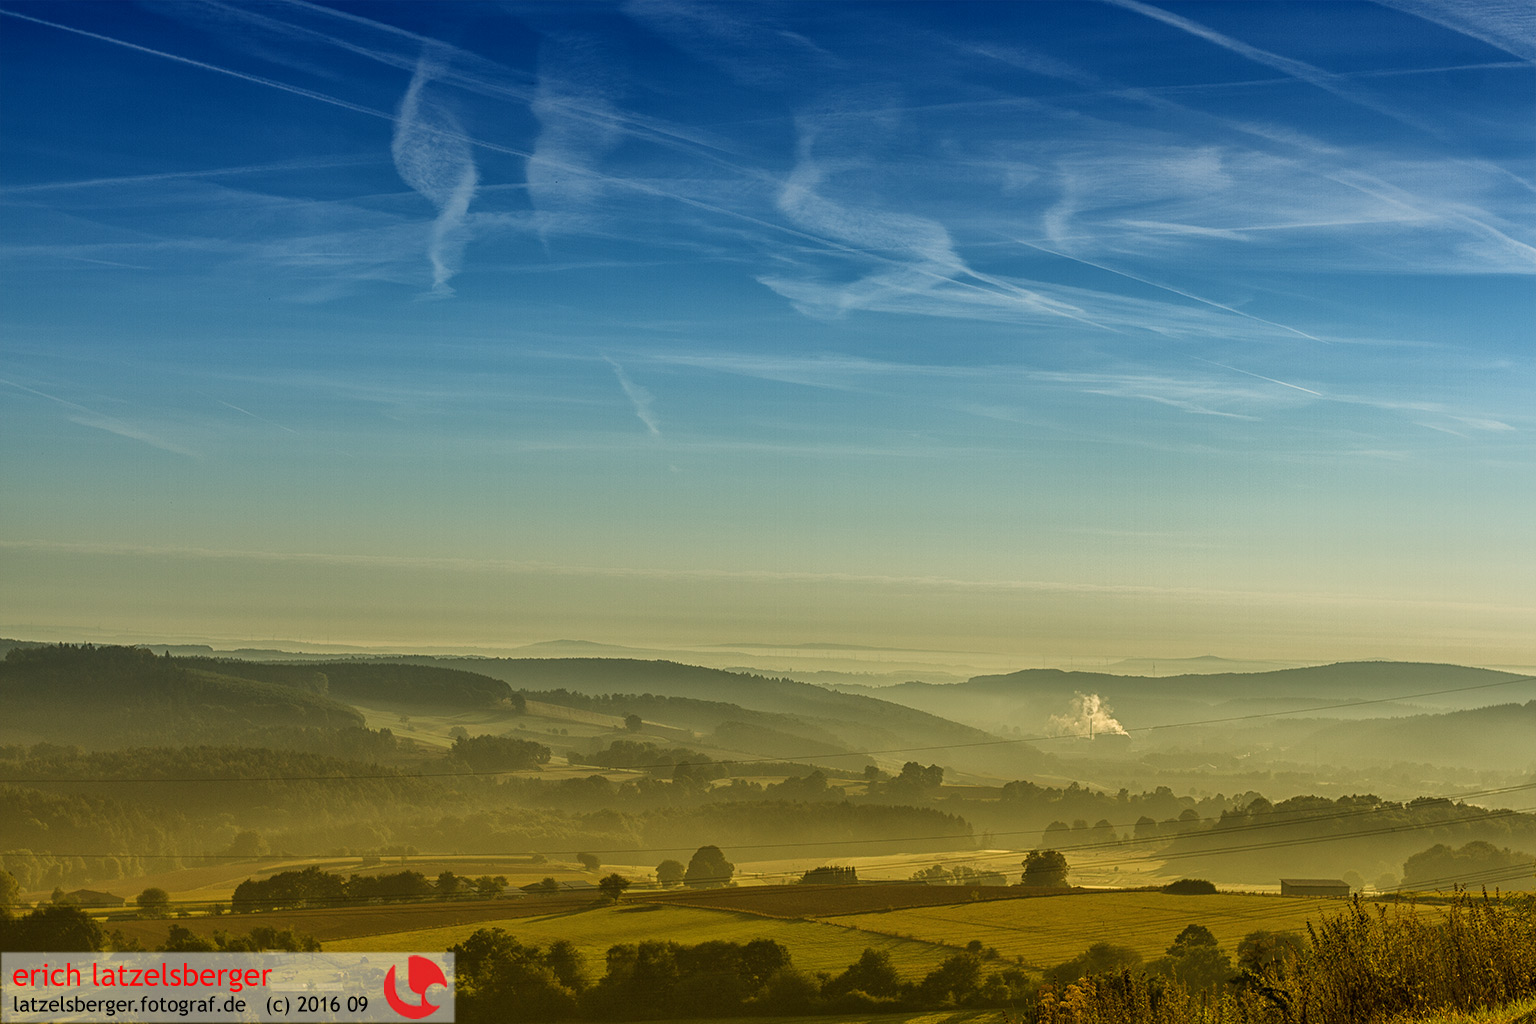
(1314, 887)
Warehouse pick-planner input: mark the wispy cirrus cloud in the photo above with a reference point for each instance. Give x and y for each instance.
(578, 126)
(902, 260)
(643, 401)
(434, 158)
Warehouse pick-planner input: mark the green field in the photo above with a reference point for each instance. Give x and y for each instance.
(1042, 931)
(1049, 930)
(815, 946)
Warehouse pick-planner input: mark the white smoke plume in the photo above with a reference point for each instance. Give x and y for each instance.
(433, 156)
(1087, 716)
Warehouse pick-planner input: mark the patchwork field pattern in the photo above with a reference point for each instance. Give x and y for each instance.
(1048, 931)
(815, 946)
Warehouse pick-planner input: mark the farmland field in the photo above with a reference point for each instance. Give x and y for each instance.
(829, 900)
(331, 923)
(824, 927)
(815, 946)
(1053, 929)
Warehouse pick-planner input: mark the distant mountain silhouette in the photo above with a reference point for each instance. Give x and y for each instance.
(1036, 694)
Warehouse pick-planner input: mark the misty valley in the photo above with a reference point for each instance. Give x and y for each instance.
(831, 848)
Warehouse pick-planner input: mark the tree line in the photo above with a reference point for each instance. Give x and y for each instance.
(312, 887)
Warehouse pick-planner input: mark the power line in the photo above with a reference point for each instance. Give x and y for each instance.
(840, 843)
(1115, 844)
(436, 903)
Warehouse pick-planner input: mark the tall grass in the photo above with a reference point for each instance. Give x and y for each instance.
(1368, 964)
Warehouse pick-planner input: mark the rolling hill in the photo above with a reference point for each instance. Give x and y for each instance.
(858, 721)
(1030, 697)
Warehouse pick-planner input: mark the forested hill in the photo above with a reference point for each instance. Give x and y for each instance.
(1499, 735)
(372, 680)
(1365, 680)
(863, 721)
(1155, 700)
(127, 694)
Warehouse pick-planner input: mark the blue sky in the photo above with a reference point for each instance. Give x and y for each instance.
(1040, 329)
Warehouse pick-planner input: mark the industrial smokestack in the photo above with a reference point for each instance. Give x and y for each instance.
(1087, 716)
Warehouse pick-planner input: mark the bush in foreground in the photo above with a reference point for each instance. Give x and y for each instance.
(1363, 966)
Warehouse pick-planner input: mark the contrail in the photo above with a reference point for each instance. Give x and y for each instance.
(257, 79)
(1300, 70)
(1260, 376)
(91, 418)
(259, 419)
(1172, 290)
(217, 172)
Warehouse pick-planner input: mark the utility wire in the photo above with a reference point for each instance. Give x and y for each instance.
(841, 843)
(1278, 821)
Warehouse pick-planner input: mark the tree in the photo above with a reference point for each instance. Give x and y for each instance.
(873, 974)
(1440, 866)
(181, 940)
(564, 960)
(153, 902)
(49, 929)
(488, 887)
(1045, 869)
(953, 982)
(497, 753)
(1261, 948)
(248, 845)
(613, 886)
(708, 867)
(499, 979)
(10, 891)
(670, 873)
(1195, 960)
(633, 722)
(588, 861)
(917, 778)
(1099, 958)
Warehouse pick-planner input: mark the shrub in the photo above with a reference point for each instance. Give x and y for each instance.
(1045, 868)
